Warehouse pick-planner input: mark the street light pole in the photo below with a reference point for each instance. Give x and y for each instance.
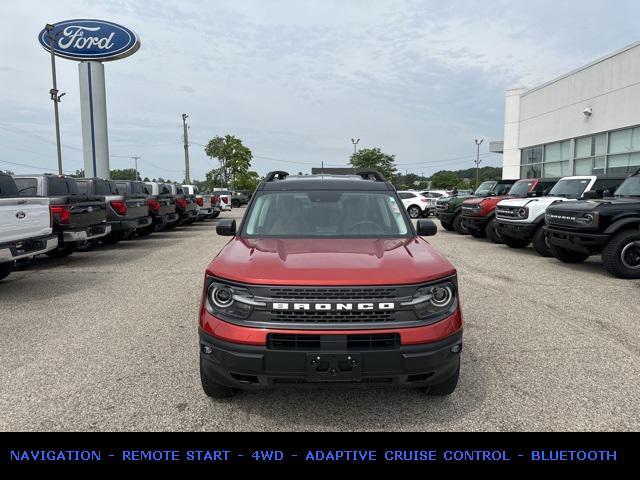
(54, 91)
(355, 142)
(135, 159)
(186, 148)
(477, 160)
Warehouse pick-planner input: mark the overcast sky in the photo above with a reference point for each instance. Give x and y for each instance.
(295, 80)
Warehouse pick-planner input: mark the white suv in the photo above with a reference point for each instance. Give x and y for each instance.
(416, 204)
(520, 220)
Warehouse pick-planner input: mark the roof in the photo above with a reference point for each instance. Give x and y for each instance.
(324, 182)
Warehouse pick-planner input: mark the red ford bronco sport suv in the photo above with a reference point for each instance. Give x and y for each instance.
(326, 281)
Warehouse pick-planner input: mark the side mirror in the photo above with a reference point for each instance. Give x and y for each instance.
(426, 228)
(590, 194)
(226, 227)
(606, 193)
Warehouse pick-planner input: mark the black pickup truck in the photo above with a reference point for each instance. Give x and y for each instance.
(609, 227)
(76, 218)
(125, 212)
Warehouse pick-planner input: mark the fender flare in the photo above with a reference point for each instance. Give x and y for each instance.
(620, 224)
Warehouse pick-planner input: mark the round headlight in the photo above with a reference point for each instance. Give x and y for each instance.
(441, 296)
(222, 296)
(588, 218)
(522, 213)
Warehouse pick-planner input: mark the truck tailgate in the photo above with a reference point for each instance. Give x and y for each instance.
(137, 206)
(167, 204)
(87, 211)
(24, 217)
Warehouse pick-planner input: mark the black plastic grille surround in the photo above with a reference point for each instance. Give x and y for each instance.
(267, 315)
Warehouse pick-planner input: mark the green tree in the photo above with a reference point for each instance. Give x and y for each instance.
(248, 181)
(446, 180)
(375, 159)
(234, 157)
(125, 174)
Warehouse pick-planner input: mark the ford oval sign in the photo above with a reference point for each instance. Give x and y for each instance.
(85, 39)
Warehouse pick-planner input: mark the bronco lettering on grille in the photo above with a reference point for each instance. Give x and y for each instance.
(333, 306)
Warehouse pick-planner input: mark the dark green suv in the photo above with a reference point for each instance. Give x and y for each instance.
(449, 209)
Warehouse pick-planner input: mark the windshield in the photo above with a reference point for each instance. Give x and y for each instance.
(485, 188)
(521, 188)
(570, 188)
(630, 187)
(327, 214)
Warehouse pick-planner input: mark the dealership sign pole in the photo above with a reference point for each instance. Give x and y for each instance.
(91, 42)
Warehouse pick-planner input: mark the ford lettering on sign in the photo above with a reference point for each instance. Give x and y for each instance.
(85, 39)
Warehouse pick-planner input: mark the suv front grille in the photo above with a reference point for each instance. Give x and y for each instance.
(507, 212)
(331, 293)
(349, 316)
(301, 342)
(565, 219)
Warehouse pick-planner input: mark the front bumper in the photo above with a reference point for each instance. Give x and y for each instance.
(578, 241)
(524, 231)
(128, 225)
(446, 217)
(27, 248)
(91, 233)
(250, 366)
(203, 211)
(475, 223)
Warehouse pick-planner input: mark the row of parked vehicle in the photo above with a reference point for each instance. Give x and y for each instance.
(56, 214)
(571, 218)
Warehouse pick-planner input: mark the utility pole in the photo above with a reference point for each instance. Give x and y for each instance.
(355, 142)
(186, 148)
(55, 97)
(135, 159)
(477, 161)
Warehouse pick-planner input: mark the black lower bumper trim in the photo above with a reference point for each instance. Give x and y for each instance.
(577, 241)
(523, 231)
(475, 223)
(247, 366)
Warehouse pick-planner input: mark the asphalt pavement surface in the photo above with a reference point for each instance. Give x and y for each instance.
(107, 340)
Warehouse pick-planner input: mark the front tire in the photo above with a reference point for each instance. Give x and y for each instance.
(235, 203)
(459, 225)
(477, 233)
(447, 226)
(568, 256)
(621, 256)
(6, 269)
(541, 244)
(414, 211)
(212, 388)
(492, 233)
(62, 251)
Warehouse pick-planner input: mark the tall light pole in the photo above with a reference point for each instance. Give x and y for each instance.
(355, 142)
(55, 97)
(477, 160)
(186, 148)
(135, 159)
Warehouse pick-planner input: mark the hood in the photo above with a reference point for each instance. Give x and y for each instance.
(593, 205)
(477, 200)
(523, 202)
(330, 262)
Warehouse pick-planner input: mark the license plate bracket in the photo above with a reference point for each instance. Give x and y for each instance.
(334, 367)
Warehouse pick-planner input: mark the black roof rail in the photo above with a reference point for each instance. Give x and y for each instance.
(276, 175)
(370, 174)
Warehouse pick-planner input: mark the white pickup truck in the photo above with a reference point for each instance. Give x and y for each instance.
(25, 226)
(520, 221)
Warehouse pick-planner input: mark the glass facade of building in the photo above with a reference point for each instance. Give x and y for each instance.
(612, 152)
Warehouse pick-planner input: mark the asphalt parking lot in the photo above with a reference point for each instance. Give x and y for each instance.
(107, 340)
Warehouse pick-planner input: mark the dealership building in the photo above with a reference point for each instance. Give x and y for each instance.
(582, 123)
